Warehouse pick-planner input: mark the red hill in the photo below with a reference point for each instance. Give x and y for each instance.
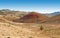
(32, 17)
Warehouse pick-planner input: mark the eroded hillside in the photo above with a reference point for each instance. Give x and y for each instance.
(32, 17)
(31, 27)
(10, 29)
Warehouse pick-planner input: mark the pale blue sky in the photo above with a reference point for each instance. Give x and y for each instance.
(42, 6)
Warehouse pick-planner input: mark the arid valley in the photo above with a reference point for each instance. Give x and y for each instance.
(17, 24)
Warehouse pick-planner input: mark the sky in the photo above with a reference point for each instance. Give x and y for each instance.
(41, 6)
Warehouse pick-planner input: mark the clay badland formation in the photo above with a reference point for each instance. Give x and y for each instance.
(16, 24)
(32, 17)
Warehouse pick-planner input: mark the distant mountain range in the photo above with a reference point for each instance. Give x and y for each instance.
(55, 13)
(52, 14)
(7, 11)
(30, 17)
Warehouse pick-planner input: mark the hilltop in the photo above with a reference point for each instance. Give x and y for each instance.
(32, 17)
(17, 24)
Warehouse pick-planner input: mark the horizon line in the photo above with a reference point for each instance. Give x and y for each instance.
(30, 11)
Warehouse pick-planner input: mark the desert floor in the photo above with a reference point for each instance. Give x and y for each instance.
(10, 29)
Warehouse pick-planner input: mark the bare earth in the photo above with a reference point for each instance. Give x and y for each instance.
(10, 29)
(16, 31)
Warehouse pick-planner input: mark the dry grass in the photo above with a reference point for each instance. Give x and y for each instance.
(9, 29)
